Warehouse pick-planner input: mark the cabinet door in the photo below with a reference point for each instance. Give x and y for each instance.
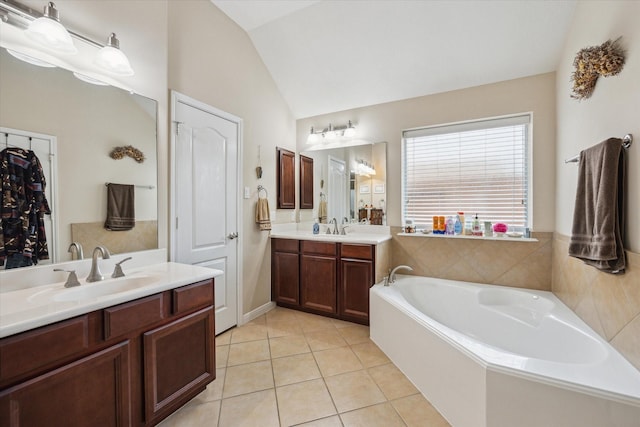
(306, 182)
(286, 178)
(356, 279)
(318, 283)
(173, 375)
(93, 391)
(284, 278)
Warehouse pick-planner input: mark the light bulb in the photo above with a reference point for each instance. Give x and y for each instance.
(112, 59)
(50, 33)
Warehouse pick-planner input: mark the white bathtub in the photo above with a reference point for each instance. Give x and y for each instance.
(496, 356)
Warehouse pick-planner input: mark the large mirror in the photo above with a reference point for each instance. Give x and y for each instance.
(81, 124)
(350, 182)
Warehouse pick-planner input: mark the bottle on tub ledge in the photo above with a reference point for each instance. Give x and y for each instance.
(476, 229)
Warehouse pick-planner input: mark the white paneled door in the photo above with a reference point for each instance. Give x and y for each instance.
(205, 197)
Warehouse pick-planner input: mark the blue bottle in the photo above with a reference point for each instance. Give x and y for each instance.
(316, 228)
(457, 227)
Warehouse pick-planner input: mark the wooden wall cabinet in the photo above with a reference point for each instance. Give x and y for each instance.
(306, 182)
(130, 364)
(326, 278)
(286, 178)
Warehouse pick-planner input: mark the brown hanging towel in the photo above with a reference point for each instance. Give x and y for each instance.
(121, 213)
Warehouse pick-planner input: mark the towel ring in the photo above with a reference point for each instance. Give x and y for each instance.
(261, 188)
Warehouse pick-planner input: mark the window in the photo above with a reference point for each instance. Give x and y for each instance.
(475, 167)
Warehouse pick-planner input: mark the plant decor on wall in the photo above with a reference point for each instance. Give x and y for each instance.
(595, 61)
(128, 150)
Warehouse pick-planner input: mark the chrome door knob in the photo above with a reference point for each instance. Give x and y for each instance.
(233, 235)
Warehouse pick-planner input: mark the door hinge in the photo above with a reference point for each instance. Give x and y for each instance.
(176, 223)
(178, 127)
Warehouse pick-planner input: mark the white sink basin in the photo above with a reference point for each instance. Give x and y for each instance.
(94, 290)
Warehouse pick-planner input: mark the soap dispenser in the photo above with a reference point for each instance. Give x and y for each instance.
(476, 230)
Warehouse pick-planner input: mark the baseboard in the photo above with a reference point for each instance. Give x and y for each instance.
(253, 314)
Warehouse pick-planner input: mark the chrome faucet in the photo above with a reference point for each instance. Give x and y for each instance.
(392, 274)
(95, 275)
(335, 225)
(343, 226)
(77, 248)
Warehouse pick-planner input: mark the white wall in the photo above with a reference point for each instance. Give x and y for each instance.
(213, 60)
(385, 122)
(612, 110)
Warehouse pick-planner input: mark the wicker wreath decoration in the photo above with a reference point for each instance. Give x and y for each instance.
(128, 150)
(595, 61)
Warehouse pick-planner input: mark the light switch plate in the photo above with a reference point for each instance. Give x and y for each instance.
(247, 192)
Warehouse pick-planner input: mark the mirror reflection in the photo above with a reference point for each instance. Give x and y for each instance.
(350, 182)
(73, 128)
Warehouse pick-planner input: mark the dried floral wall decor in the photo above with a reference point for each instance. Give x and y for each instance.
(128, 150)
(595, 61)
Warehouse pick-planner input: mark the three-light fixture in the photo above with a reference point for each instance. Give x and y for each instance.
(45, 42)
(331, 133)
(363, 168)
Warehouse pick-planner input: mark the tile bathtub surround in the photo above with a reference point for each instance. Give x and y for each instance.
(289, 368)
(608, 303)
(508, 263)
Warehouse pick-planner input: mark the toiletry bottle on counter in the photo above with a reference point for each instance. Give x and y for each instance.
(316, 228)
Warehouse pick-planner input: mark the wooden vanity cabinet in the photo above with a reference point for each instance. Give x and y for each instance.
(318, 276)
(356, 277)
(285, 272)
(130, 364)
(331, 279)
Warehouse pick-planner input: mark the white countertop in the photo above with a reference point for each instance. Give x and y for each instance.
(24, 309)
(363, 234)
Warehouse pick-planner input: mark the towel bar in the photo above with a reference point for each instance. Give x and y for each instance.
(626, 143)
(148, 187)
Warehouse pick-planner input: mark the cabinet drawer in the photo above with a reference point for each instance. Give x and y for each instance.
(42, 347)
(320, 248)
(133, 315)
(356, 251)
(284, 245)
(193, 296)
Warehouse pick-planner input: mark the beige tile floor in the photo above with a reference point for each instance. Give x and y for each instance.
(288, 368)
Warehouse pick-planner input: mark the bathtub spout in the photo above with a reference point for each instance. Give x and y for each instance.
(392, 274)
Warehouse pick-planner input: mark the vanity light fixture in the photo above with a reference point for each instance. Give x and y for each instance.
(331, 133)
(111, 59)
(50, 33)
(365, 168)
(313, 138)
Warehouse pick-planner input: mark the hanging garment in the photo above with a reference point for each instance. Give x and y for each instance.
(23, 205)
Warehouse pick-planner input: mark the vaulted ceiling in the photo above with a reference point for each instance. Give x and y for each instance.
(333, 55)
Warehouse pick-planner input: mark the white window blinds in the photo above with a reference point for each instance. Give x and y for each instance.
(474, 167)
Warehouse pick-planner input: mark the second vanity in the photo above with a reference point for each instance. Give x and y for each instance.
(328, 274)
(131, 357)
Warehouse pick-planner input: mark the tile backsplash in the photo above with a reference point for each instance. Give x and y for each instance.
(608, 303)
(506, 262)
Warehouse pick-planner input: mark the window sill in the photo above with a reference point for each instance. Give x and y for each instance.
(445, 236)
